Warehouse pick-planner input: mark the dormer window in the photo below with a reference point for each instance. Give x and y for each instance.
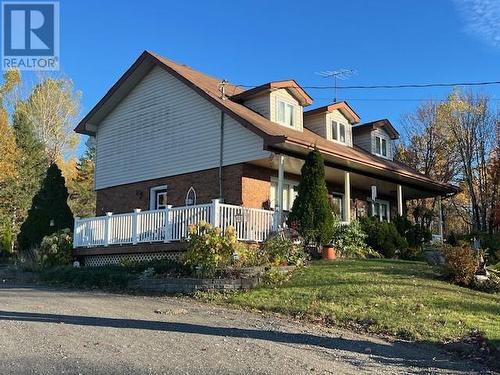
(381, 146)
(285, 113)
(338, 132)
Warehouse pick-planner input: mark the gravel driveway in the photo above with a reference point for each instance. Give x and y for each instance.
(46, 331)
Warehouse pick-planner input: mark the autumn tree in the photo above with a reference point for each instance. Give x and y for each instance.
(472, 130)
(82, 194)
(52, 108)
(9, 154)
(427, 148)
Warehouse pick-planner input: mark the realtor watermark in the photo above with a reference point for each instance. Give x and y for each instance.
(30, 35)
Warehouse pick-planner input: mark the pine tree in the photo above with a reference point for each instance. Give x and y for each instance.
(83, 198)
(49, 211)
(32, 164)
(311, 212)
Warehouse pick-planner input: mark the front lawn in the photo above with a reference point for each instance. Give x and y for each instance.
(401, 298)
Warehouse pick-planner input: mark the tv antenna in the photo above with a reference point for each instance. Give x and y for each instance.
(341, 74)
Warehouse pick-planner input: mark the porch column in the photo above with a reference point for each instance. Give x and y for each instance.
(279, 193)
(440, 217)
(347, 197)
(400, 200)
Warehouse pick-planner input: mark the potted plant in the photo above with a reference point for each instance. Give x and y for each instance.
(329, 252)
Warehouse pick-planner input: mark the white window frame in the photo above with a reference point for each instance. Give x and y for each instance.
(153, 197)
(286, 104)
(387, 147)
(380, 202)
(287, 206)
(335, 124)
(341, 196)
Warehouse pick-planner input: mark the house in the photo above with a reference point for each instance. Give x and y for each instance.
(175, 146)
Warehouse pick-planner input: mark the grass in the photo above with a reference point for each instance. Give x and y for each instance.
(400, 298)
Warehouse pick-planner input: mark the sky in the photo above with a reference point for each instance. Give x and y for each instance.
(253, 42)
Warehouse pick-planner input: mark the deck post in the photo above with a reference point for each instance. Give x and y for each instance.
(167, 237)
(75, 234)
(347, 197)
(279, 198)
(400, 199)
(107, 228)
(215, 213)
(135, 225)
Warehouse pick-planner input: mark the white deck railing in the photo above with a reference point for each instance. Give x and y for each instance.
(172, 224)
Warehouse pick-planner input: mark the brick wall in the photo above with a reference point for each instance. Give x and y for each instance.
(125, 198)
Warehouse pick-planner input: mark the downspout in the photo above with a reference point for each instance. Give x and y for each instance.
(221, 154)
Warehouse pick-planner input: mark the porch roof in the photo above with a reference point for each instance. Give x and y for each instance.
(276, 137)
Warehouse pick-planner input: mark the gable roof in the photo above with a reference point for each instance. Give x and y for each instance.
(293, 87)
(343, 107)
(369, 126)
(275, 137)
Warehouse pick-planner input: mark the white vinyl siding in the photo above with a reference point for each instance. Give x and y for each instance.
(164, 128)
(321, 124)
(282, 95)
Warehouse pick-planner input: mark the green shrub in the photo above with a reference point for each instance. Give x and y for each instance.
(108, 277)
(311, 213)
(55, 250)
(210, 251)
(383, 237)
(6, 241)
(461, 264)
(281, 249)
(415, 234)
(349, 240)
(49, 211)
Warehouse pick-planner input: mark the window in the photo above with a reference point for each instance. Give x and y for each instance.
(381, 210)
(285, 113)
(289, 193)
(342, 132)
(335, 135)
(338, 132)
(336, 201)
(158, 198)
(381, 146)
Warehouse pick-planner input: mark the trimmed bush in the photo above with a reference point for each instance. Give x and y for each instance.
(210, 251)
(383, 237)
(415, 234)
(49, 211)
(281, 250)
(55, 250)
(461, 264)
(311, 214)
(350, 241)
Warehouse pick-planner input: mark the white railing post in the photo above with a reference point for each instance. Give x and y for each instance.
(76, 232)
(215, 213)
(168, 224)
(107, 228)
(135, 225)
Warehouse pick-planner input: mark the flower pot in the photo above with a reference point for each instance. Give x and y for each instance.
(329, 252)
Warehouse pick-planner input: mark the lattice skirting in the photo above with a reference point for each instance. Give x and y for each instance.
(108, 259)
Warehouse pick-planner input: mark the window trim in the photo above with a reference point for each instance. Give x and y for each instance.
(382, 201)
(387, 147)
(153, 196)
(292, 113)
(341, 196)
(337, 128)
